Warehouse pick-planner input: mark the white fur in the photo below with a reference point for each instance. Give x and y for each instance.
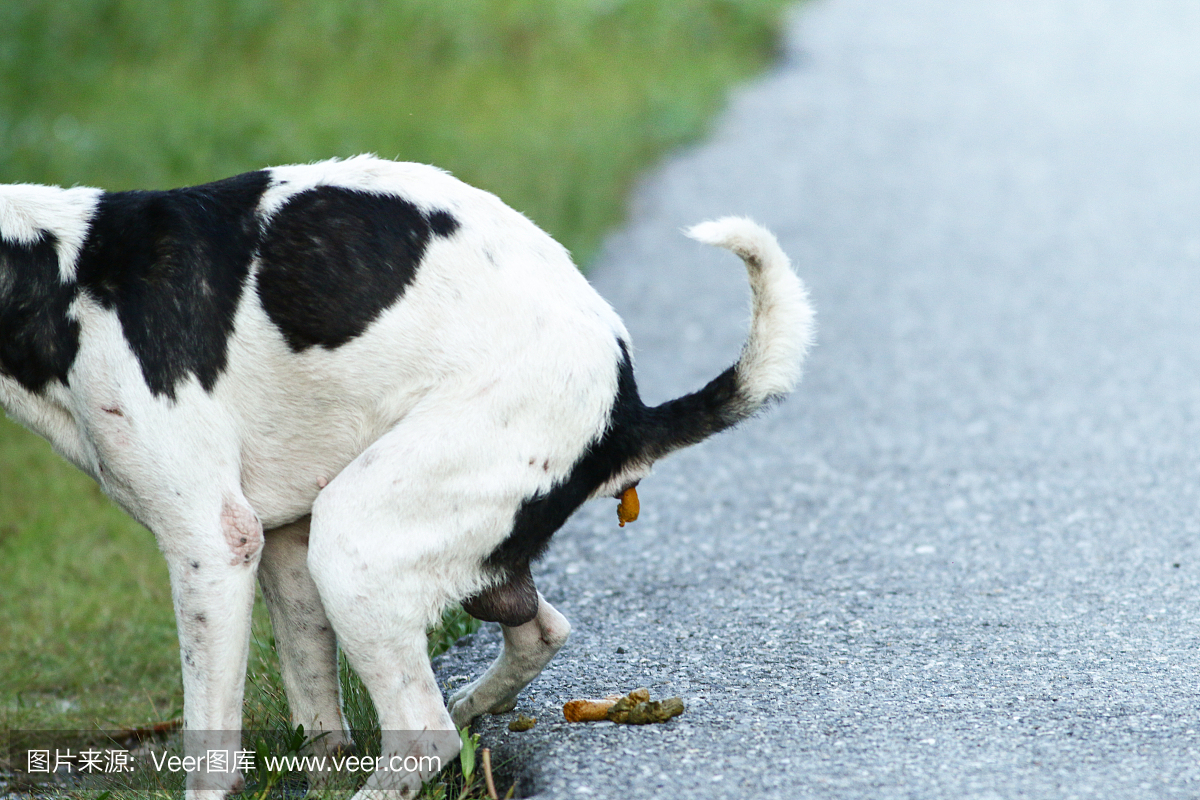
(26, 209)
(411, 447)
(782, 325)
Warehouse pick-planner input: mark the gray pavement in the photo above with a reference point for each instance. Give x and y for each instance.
(962, 561)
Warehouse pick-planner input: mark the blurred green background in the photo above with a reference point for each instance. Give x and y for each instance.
(554, 106)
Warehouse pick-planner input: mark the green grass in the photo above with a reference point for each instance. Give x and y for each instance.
(87, 636)
(554, 106)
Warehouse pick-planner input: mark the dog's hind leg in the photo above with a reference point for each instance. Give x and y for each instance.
(304, 638)
(395, 537)
(527, 649)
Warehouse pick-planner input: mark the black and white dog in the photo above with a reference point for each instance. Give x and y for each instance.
(374, 387)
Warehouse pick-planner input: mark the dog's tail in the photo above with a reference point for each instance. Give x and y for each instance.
(781, 332)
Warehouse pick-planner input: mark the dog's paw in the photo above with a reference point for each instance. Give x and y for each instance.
(406, 787)
(471, 701)
(463, 706)
(214, 786)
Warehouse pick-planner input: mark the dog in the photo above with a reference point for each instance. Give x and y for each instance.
(371, 386)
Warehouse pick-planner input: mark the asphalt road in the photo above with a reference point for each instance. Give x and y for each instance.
(962, 561)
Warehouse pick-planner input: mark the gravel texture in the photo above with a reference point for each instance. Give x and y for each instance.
(961, 562)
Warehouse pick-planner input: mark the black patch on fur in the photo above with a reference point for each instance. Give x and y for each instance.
(38, 342)
(173, 265)
(334, 259)
(635, 432)
(443, 223)
(513, 602)
(694, 417)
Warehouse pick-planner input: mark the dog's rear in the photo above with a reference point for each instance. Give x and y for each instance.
(636, 435)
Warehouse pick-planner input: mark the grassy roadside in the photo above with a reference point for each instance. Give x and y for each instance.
(554, 105)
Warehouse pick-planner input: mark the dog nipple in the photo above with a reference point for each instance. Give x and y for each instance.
(628, 510)
(322, 483)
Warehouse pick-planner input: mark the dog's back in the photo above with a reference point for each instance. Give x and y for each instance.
(312, 307)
